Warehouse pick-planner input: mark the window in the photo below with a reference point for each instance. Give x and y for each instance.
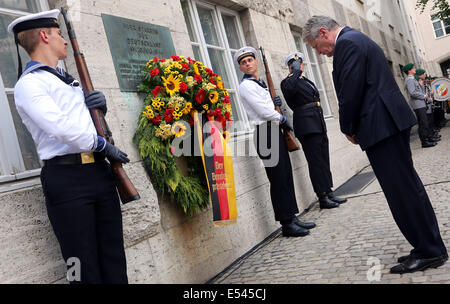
(18, 157)
(312, 71)
(441, 27)
(216, 35)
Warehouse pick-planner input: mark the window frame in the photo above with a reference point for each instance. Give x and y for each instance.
(436, 19)
(218, 11)
(309, 64)
(13, 174)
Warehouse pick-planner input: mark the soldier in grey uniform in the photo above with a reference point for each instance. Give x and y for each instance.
(417, 101)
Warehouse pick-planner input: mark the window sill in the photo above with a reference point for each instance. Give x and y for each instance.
(20, 184)
(20, 180)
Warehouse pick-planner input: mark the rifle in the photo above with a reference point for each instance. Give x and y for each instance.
(288, 137)
(125, 187)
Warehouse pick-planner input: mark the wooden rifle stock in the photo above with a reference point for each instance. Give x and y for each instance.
(291, 143)
(125, 187)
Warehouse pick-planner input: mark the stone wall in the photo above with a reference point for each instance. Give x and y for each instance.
(162, 245)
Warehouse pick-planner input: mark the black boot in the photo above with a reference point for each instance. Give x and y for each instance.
(428, 144)
(326, 203)
(307, 225)
(336, 199)
(292, 229)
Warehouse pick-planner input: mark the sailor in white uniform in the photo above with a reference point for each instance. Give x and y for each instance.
(270, 144)
(78, 185)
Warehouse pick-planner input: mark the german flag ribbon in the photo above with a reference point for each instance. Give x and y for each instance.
(219, 173)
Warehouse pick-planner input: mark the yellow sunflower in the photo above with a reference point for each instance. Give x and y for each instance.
(172, 84)
(178, 129)
(213, 96)
(187, 108)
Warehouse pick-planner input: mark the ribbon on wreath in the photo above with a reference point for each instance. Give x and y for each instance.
(218, 171)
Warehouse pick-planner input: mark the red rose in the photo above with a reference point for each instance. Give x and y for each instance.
(214, 75)
(176, 58)
(154, 72)
(218, 112)
(210, 115)
(156, 120)
(162, 60)
(228, 115)
(168, 117)
(224, 124)
(183, 87)
(211, 80)
(209, 71)
(226, 99)
(191, 61)
(200, 96)
(198, 78)
(155, 59)
(157, 90)
(185, 66)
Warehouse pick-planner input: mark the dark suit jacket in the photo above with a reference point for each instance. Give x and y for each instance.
(371, 105)
(298, 92)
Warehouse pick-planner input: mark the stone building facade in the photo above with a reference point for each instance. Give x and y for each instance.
(162, 245)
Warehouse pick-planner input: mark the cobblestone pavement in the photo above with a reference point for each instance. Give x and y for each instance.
(349, 240)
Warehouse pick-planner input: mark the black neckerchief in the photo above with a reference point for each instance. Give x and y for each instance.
(67, 78)
(260, 82)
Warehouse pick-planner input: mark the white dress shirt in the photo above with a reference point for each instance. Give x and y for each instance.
(257, 103)
(55, 114)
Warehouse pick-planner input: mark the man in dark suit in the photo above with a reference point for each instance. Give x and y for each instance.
(303, 98)
(374, 114)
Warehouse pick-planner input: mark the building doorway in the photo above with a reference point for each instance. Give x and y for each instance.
(445, 66)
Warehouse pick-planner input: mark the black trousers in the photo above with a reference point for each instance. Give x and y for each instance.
(438, 117)
(84, 211)
(282, 192)
(424, 128)
(392, 164)
(430, 122)
(317, 155)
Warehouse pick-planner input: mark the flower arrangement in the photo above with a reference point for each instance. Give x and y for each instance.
(174, 88)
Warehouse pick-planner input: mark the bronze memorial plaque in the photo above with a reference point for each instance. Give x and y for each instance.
(133, 44)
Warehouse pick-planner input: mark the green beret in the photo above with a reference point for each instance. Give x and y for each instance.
(420, 72)
(408, 67)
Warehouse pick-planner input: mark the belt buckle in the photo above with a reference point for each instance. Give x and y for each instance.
(318, 103)
(87, 158)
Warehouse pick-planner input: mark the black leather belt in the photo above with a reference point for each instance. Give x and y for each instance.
(75, 159)
(309, 105)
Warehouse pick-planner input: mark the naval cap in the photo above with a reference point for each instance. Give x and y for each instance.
(38, 20)
(293, 56)
(244, 52)
(33, 21)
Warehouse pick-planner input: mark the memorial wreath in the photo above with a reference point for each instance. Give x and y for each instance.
(174, 88)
